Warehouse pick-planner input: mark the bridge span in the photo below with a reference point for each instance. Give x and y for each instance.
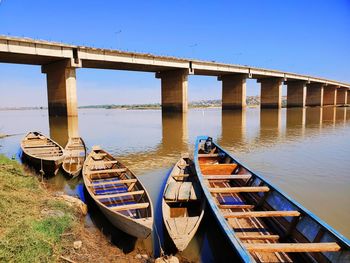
(60, 61)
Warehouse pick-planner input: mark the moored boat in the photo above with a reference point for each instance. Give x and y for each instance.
(118, 193)
(260, 221)
(42, 153)
(74, 157)
(183, 204)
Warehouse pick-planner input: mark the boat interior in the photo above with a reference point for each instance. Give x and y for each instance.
(269, 225)
(113, 185)
(182, 195)
(37, 145)
(75, 155)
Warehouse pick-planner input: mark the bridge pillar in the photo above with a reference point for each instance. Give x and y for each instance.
(233, 91)
(342, 96)
(296, 94)
(174, 90)
(330, 95)
(314, 94)
(271, 92)
(61, 88)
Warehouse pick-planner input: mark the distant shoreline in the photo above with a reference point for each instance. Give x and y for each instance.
(252, 101)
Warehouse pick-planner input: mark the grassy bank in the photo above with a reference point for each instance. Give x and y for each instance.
(36, 226)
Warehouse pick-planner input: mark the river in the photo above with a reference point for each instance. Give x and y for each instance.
(305, 152)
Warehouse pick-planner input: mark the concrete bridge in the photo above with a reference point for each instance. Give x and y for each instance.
(60, 61)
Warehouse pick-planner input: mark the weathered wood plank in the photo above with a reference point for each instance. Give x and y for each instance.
(227, 177)
(261, 214)
(129, 207)
(107, 171)
(222, 206)
(222, 168)
(293, 247)
(258, 237)
(245, 189)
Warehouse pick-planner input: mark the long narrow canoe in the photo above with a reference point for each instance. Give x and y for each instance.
(260, 221)
(118, 193)
(74, 157)
(42, 153)
(183, 204)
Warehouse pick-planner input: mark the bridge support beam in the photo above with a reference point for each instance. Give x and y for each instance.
(61, 88)
(296, 94)
(314, 94)
(271, 92)
(330, 95)
(233, 91)
(342, 96)
(174, 90)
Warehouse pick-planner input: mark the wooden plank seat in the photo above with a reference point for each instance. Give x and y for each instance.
(292, 247)
(40, 146)
(244, 189)
(258, 237)
(227, 177)
(240, 206)
(180, 191)
(129, 206)
(105, 171)
(181, 175)
(98, 156)
(261, 214)
(111, 196)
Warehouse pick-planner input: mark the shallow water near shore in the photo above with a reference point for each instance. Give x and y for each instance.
(304, 152)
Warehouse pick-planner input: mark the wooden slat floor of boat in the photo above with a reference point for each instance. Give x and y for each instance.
(181, 226)
(141, 192)
(249, 226)
(122, 181)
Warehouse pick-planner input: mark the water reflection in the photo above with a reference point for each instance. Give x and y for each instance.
(329, 115)
(233, 127)
(295, 122)
(61, 128)
(270, 125)
(314, 117)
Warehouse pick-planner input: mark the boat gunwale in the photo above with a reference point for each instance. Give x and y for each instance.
(344, 242)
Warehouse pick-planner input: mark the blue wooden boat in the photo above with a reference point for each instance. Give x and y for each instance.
(260, 221)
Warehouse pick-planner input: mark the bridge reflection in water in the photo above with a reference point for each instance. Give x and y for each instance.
(163, 137)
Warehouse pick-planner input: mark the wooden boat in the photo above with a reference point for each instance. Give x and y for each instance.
(118, 193)
(182, 204)
(75, 155)
(41, 152)
(260, 221)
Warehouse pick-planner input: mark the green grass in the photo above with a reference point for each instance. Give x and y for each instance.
(26, 233)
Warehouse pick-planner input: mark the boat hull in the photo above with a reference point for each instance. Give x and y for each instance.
(306, 238)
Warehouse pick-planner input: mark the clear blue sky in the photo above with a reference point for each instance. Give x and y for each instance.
(311, 37)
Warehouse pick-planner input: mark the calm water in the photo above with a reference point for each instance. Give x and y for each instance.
(305, 152)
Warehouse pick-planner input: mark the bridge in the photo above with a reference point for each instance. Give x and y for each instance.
(60, 61)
